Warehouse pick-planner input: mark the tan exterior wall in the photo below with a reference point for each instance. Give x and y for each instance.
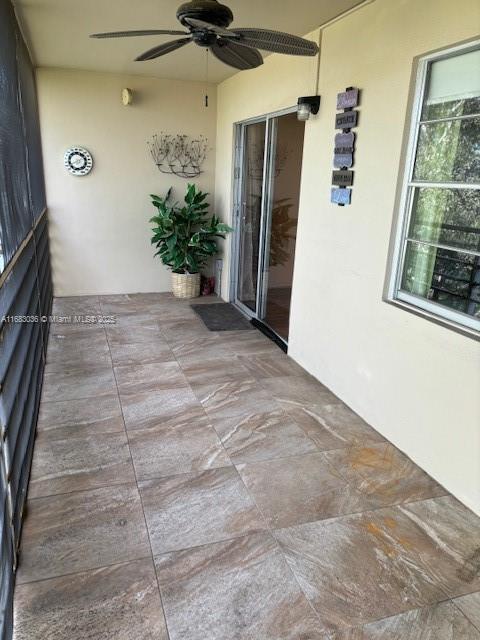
(100, 236)
(418, 383)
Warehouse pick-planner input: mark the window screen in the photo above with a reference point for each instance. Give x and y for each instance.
(439, 260)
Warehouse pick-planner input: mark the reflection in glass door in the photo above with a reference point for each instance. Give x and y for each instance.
(267, 196)
(250, 211)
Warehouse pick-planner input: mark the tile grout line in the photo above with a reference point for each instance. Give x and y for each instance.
(125, 483)
(77, 573)
(452, 600)
(233, 465)
(280, 409)
(393, 615)
(201, 405)
(138, 491)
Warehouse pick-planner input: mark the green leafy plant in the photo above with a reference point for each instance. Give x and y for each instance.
(185, 236)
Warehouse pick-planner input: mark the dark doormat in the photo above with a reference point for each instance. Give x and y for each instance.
(221, 316)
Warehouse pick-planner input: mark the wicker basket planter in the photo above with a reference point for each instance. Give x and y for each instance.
(186, 285)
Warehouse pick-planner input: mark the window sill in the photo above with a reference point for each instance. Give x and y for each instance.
(437, 319)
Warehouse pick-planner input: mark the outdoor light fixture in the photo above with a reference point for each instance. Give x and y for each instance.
(306, 106)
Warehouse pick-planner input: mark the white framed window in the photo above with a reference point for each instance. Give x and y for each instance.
(436, 257)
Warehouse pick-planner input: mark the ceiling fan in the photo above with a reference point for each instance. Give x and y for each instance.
(207, 22)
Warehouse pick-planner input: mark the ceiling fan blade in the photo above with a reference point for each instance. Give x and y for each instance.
(236, 55)
(202, 25)
(145, 32)
(275, 41)
(162, 49)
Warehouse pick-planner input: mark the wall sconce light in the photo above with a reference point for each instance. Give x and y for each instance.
(306, 106)
(127, 97)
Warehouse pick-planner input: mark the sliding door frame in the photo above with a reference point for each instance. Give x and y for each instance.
(266, 208)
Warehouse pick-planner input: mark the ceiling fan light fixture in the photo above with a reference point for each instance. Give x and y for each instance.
(306, 106)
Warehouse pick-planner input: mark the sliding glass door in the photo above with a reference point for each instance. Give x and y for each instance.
(250, 211)
(269, 163)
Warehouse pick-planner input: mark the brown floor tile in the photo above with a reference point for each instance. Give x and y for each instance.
(222, 401)
(300, 489)
(119, 602)
(201, 371)
(72, 326)
(76, 305)
(79, 463)
(298, 390)
(271, 366)
(383, 474)
(198, 508)
(79, 531)
(332, 426)
(176, 330)
(67, 350)
(470, 605)
(82, 417)
(357, 569)
(134, 328)
(245, 343)
(163, 451)
(236, 590)
(198, 347)
(262, 436)
(158, 305)
(126, 353)
(174, 312)
(149, 377)
(127, 321)
(312, 487)
(361, 568)
(129, 304)
(438, 622)
(73, 383)
(164, 407)
(454, 556)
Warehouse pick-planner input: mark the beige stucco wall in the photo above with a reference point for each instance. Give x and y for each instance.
(100, 236)
(416, 382)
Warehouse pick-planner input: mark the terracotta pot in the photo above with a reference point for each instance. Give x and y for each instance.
(186, 285)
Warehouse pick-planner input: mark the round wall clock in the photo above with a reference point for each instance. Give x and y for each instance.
(78, 161)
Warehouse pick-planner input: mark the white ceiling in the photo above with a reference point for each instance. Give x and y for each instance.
(57, 32)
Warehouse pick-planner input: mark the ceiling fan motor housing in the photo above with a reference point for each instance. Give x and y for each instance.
(207, 10)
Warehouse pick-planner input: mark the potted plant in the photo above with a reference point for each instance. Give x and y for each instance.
(185, 238)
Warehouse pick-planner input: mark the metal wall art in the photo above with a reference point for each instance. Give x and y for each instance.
(342, 177)
(180, 155)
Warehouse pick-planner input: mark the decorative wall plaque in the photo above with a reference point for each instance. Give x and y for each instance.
(346, 120)
(343, 160)
(347, 99)
(342, 178)
(344, 142)
(344, 146)
(341, 196)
